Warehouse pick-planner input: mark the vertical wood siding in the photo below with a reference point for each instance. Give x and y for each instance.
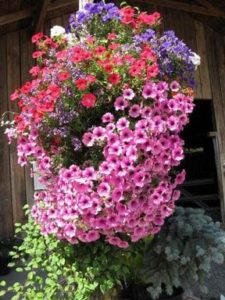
(16, 187)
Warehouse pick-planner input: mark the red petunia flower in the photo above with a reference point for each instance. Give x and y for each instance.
(54, 90)
(112, 36)
(152, 71)
(91, 78)
(20, 103)
(14, 96)
(135, 70)
(37, 37)
(26, 88)
(114, 46)
(108, 67)
(127, 20)
(34, 71)
(127, 11)
(38, 54)
(88, 100)
(100, 50)
(81, 84)
(114, 78)
(63, 76)
(17, 118)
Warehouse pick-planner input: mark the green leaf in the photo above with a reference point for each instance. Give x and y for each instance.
(2, 293)
(19, 270)
(39, 295)
(16, 297)
(2, 283)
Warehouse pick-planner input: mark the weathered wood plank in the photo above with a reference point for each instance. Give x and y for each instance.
(16, 16)
(216, 61)
(65, 20)
(47, 27)
(57, 21)
(40, 15)
(203, 68)
(6, 212)
(17, 173)
(207, 4)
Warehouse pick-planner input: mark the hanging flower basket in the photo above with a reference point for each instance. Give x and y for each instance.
(101, 119)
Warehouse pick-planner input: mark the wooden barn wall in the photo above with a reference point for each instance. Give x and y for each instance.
(16, 187)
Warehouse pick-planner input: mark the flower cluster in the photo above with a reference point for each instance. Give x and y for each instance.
(101, 119)
(167, 47)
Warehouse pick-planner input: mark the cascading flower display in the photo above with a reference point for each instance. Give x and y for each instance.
(101, 119)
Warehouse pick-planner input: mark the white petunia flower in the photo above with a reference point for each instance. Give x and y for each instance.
(57, 30)
(71, 38)
(195, 59)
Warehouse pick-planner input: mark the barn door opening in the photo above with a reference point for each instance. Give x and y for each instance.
(201, 186)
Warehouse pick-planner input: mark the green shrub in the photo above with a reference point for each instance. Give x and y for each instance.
(59, 270)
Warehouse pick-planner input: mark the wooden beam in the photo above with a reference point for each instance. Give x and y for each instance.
(17, 16)
(192, 8)
(39, 18)
(208, 5)
(61, 4)
(28, 13)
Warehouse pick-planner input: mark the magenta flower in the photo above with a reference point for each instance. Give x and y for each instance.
(117, 194)
(120, 103)
(128, 94)
(107, 118)
(174, 86)
(103, 189)
(92, 236)
(90, 173)
(70, 230)
(149, 91)
(99, 133)
(122, 123)
(88, 139)
(134, 111)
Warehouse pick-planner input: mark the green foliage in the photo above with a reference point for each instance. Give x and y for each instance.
(58, 270)
(182, 253)
(179, 255)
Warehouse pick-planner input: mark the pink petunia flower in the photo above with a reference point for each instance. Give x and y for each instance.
(88, 139)
(122, 123)
(128, 94)
(120, 103)
(107, 118)
(174, 86)
(149, 91)
(70, 230)
(135, 111)
(104, 189)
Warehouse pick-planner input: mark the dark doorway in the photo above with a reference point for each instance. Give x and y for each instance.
(200, 188)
